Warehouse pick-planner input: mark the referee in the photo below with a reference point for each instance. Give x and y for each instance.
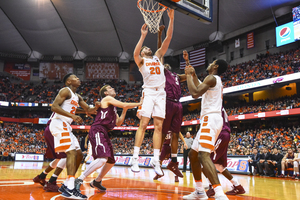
(189, 141)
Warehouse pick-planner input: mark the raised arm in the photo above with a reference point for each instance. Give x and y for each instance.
(165, 45)
(112, 101)
(197, 91)
(136, 54)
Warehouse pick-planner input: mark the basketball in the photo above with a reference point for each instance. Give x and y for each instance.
(175, 0)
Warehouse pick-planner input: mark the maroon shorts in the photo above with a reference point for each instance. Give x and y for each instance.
(219, 155)
(101, 144)
(173, 117)
(165, 152)
(50, 152)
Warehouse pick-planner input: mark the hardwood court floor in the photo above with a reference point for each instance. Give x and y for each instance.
(121, 183)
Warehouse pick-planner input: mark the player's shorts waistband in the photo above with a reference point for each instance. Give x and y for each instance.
(174, 100)
(154, 88)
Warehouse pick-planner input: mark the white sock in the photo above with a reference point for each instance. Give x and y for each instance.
(199, 185)
(297, 173)
(96, 164)
(54, 175)
(156, 154)
(173, 155)
(71, 183)
(66, 182)
(219, 191)
(234, 182)
(136, 152)
(45, 172)
(282, 172)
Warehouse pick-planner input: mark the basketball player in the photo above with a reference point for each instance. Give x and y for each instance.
(211, 91)
(288, 162)
(166, 152)
(219, 158)
(102, 149)
(64, 106)
(296, 165)
(154, 93)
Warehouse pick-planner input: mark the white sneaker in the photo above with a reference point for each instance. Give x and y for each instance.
(156, 166)
(135, 165)
(221, 197)
(201, 195)
(83, 167)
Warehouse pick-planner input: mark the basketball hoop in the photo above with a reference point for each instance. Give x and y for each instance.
(152, 12)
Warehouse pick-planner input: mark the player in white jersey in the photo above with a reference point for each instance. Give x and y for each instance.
(211, 91)
(64, 106)
(154, 93)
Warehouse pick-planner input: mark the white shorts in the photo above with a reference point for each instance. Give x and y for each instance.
(209, 131)
(154, 103)
(64, 139)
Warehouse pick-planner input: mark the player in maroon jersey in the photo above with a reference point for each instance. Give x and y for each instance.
(106, 119)
(219, 158)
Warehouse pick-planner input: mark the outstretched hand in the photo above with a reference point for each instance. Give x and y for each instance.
(189, 70)
(185, 56)
(144, 29)
(170, 13)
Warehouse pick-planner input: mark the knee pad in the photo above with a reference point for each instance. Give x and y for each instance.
(62, 163)
(53, 164)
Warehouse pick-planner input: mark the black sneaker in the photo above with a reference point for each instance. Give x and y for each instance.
(78, 183)
(62, 188)
(73, 194)
(95, 184)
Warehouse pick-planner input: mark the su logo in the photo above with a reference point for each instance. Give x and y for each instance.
(147, 161)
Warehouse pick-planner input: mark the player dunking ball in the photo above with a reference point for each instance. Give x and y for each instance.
(106, 119)
(64, 106)
(211, 91)
(154, 93)
(219, 158)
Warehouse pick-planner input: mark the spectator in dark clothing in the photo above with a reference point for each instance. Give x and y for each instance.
(254, 159)
(275, 162)
(263, 164)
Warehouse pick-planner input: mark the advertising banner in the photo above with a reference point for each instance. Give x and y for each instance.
(21, 70)
(55, 71)
(102, 71)
(29, 157)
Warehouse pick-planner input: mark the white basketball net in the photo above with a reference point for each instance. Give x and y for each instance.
(152, 12)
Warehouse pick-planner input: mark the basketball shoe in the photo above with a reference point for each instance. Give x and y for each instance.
(37, 179)
(62, 188)
(73, 194)
(78, 183)
(201, 195)
(172, 166)
(236, 190)
(210, 192)
(51, 187)
(98, 185)
(135, 165)
(157, 177)
(156, 166)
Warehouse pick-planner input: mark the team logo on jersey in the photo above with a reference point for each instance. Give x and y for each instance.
(285, 32)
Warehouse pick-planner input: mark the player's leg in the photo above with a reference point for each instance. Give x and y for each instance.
(51, 185)
(139, 137)
(157, 135)
(296, 170)
(282, 170)
(88, 156)
(101, 149)
(173, 165)
(208, 132)
(199, 192)
(97, 183)
(237, 187)
(41, 177)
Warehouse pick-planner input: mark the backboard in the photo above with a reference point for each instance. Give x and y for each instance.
(201, 10)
